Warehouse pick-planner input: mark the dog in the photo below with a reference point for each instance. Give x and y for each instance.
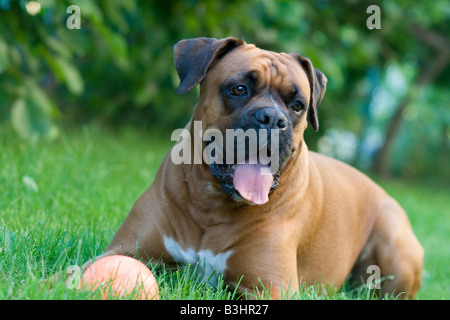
(312, 220)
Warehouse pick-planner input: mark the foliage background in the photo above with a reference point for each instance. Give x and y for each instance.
(387, 101)
(86, 114)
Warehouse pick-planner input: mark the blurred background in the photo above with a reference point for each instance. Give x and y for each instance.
(386, 109)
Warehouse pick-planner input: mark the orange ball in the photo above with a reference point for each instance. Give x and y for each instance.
(118, 275)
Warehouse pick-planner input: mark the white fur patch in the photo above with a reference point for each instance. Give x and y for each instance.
(209, 264)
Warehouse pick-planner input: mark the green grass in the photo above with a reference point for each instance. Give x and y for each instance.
(428, 207)
(62, 201)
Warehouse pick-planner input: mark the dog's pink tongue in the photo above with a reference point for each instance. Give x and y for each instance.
(252, 184)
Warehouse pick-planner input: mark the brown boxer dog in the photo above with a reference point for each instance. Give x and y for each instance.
(314, 220)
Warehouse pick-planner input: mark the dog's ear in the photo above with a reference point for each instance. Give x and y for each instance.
(194, 57)
(317, 83)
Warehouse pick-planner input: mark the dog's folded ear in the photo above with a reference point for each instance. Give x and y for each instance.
(194, 57)
(318, 83)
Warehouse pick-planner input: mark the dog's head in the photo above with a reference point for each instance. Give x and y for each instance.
(258, 101)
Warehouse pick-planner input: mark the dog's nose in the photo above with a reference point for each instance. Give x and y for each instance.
(270, 118)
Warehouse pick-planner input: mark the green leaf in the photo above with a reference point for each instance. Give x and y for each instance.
(30, 122)
(35, 93)
(89, 9)
(4, 55)
(33, 113)
(58, 46)
(64, 71)
(117, 46)
(19, 117)
(71, 76)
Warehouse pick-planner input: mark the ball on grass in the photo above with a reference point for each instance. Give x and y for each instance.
(118, 275)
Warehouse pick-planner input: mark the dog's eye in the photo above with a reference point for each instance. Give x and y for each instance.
(297, 106)
(239, 90)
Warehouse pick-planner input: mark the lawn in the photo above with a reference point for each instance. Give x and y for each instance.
(62, 201)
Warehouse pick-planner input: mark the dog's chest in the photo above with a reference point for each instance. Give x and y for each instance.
(210, 264)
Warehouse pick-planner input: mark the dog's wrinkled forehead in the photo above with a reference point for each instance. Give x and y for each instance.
(271, 70)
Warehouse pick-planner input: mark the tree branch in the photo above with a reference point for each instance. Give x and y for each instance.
(427, 75)
(431, 38)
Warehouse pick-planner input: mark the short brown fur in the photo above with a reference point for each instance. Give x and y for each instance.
(323, 221)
